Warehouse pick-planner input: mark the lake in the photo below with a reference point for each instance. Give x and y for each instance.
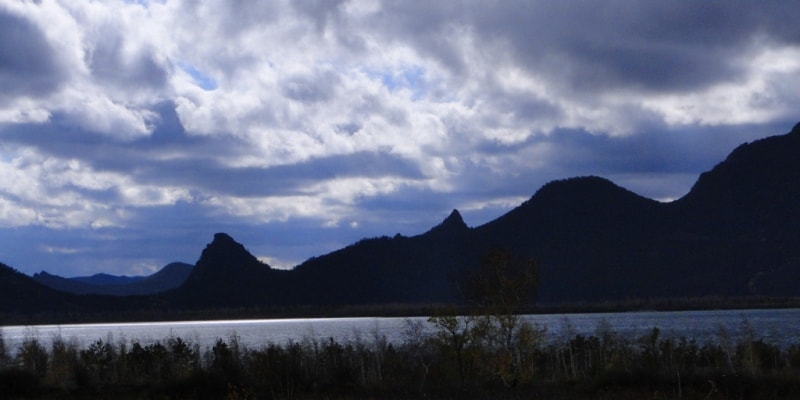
(780, 327)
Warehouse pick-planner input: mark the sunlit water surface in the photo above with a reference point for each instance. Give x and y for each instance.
(781, 327)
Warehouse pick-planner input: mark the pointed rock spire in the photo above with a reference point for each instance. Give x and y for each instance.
(454, 219)
(452, 224)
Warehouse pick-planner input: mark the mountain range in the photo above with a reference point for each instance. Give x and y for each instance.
(736, 233)
(169, 277)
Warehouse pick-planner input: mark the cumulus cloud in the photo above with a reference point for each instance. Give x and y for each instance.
(344, 119)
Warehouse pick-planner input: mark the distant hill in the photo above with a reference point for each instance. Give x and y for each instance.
(102, 279)
(21, 294)
(21, 298)
(169, 277)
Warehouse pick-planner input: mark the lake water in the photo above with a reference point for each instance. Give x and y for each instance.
(781, 327)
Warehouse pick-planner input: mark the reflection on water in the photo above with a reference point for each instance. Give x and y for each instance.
(774, 326)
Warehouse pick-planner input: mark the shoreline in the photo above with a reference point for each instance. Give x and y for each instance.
(392, 310)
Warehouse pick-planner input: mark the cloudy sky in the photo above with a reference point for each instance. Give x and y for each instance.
(132, 131)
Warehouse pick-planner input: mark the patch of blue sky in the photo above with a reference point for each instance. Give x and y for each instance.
(202, 80)
(412, 79)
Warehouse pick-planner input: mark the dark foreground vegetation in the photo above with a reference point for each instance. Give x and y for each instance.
(476, 357)
(490, 353)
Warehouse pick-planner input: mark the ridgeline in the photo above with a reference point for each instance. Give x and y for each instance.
(735, 235)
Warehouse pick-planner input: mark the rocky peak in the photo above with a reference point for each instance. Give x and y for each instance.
(222, 239)
(223, 251)
(224, 243)
(454, 223)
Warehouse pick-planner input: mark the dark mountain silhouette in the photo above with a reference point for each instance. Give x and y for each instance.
(64, 284)
(107, 279)
(753, 194)
(401, 269)
(736, 233)
(593, 239)
(21, 294)
(227, 275)
(23, 297)
(745, 215)
(169, 277)
(452, 225)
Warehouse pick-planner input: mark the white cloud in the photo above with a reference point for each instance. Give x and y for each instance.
(271, 209)
(23, 111)
(57, 193)
(60, 250)
(763, 95)
(14, 214)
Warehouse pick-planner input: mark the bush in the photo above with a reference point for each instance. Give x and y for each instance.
(64, 364)
(98, 364)
(32, 357)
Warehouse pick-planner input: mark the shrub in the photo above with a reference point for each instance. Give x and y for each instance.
(32, 357)
(98, 364)
(64, 363)
(5, 359)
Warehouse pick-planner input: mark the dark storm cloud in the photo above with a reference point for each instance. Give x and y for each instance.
(29, 65)
(311, 89)
(524, 107)
(655, 46)
(659, 46)
(110, 65)
(231, 18)
(319, 11)
(60, 137)
(658, 151)
(408, 201)
(291, 179)
(326, 18)
(430, 26)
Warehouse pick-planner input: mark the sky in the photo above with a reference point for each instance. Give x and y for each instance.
(132, 131)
